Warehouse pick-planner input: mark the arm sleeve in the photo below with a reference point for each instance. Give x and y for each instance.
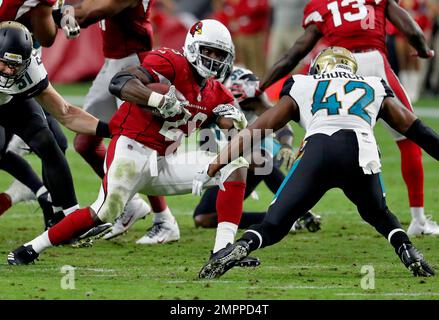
(425, 137)
(287, 87)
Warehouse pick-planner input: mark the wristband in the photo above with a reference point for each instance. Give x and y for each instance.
(103, 130)
(57, 16)
(155, 99)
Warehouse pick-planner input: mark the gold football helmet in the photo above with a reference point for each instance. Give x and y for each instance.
(330, 57)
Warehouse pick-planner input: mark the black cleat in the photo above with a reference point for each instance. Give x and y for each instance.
(414, 261)
(249, 262)
(311, 221)
(22, 255)
(46, 205)
(308, 221)
(225, 259)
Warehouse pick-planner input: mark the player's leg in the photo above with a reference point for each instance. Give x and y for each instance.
(305, 184)
(411, 167)
(367, 193)
(122, 180)
(102, 104)
(376, 64)
(28, 122)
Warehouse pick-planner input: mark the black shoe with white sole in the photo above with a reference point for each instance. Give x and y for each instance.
(414, 261)
(22, 255)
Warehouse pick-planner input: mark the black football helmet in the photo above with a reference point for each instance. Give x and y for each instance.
(15, 51)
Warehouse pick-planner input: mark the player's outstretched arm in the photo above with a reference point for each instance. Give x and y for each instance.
(275, 118)
(402, 20)
(72, 117)
(91, 11)
(406, 123)
(292, 57)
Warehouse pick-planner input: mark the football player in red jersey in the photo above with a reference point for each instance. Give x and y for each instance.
(360, 27)
(40, 18)
(142, 156)
(127, 35)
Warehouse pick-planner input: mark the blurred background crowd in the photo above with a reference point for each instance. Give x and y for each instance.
(262, 30)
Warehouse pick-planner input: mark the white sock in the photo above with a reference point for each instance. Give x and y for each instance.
(225, 233)
(70, 210)
(404, 78)
(415, 83)
(40, 243)
(418, 214)
(163, 216)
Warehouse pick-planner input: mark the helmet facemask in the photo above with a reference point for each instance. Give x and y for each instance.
(207, 66)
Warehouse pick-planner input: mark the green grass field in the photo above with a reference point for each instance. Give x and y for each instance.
(323, 265)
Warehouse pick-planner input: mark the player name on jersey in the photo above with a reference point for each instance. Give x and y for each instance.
(337, 74)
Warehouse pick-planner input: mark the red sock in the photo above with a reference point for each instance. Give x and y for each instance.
(412, 171)
(92, 149)
(5, 202)
(158, 203)
(229, 203)
(72, 225)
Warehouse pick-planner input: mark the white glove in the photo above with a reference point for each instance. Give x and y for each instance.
(69, 24)
(201, 179)
(231, 112)
(58, 4)
(170, 106)
(286, 155)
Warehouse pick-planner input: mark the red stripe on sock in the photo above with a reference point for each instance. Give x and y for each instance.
(72, 225)
(412, 171)
(229, 203)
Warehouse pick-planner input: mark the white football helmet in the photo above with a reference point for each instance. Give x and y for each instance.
(213, 34)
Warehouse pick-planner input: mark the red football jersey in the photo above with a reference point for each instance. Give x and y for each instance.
(170, 66)
(353, 24)
(128, 32)
(14, 9)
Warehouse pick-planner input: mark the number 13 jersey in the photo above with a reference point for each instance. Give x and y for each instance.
(356, 25)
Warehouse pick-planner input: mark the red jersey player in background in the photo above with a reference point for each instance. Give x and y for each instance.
(127, 34)
(147, 129)
(40, 18)
(360, 27)
(410, 67)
